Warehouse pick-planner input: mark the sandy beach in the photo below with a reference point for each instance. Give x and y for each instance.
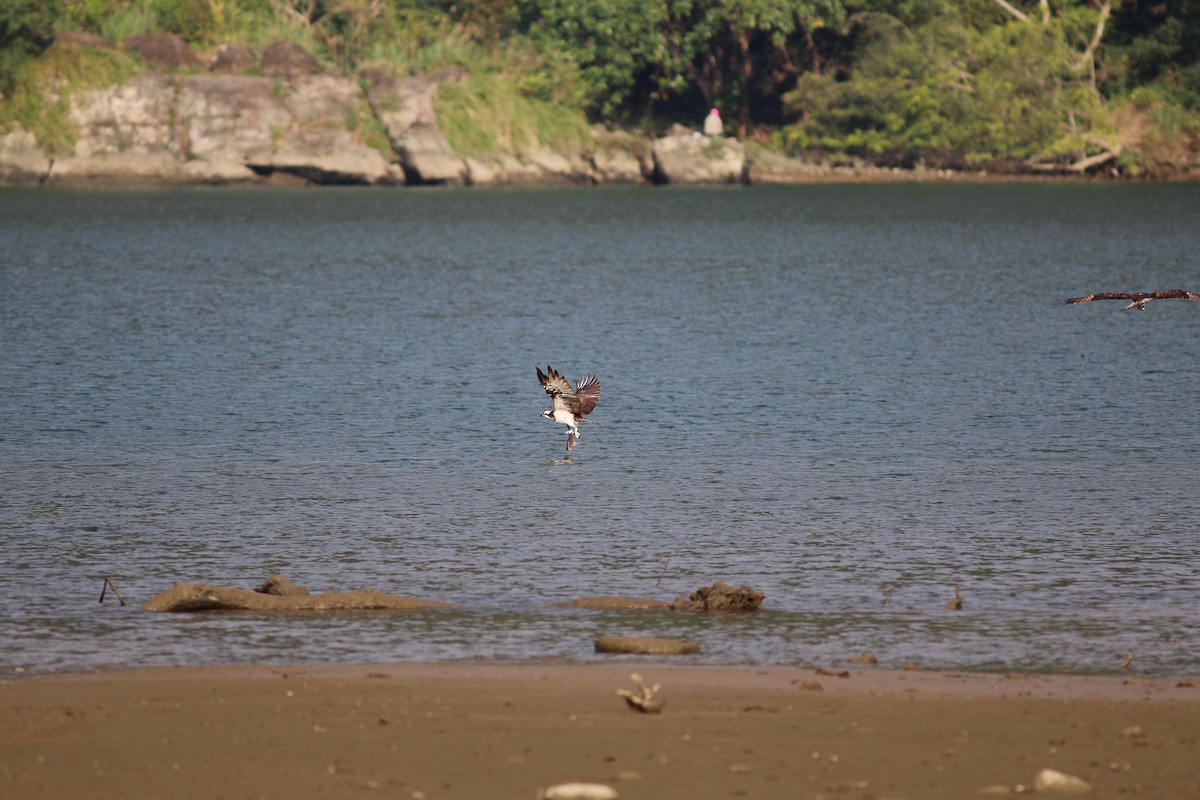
(507, 730)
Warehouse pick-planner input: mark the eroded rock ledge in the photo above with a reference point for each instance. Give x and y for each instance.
(194, 121)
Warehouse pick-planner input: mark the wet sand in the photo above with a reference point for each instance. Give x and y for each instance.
(494, 731)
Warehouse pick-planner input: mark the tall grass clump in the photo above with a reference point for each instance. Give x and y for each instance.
(514, 99)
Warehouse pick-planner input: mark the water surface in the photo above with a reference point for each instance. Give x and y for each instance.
(851, 398)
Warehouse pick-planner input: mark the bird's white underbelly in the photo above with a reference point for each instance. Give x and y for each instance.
(565, 417)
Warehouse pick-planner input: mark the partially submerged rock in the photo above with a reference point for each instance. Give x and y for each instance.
(281, 587)
(192, 597)
(645, 645)
(720, 597)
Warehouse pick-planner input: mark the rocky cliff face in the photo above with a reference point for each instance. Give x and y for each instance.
(298, 121)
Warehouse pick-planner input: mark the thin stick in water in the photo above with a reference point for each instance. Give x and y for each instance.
(664, 570)
(108, 584)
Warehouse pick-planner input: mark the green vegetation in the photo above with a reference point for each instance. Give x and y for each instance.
(964, 83)
(37, 97)
(487, 114)
(369, 129)
(27, 29)
(948, 92)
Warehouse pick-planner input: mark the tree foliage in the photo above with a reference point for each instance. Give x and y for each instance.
(1156, 43)
(26, 29)
(639, 56)
(893, 81)
(950, 92)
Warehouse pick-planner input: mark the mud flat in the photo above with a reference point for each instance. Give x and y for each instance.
(506, 730)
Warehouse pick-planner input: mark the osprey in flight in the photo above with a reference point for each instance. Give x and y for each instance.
(571, 406)
(1138, 299)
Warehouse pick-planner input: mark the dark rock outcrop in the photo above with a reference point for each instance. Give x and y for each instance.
(231, 58)
(288, 60)
(162, 49)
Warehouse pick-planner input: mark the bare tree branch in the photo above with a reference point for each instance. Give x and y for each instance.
(1087, 59)
(1105, 11)
(1016, 12)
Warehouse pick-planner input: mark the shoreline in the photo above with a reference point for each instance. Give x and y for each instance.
(835, 680)
(817, 176)
(498, 730)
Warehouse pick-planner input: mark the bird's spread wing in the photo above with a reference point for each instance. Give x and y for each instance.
(588, 393)
(1087, 298)
(1168, 294)
(559, 390)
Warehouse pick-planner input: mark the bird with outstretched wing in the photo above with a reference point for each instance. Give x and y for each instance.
(1137, 300)
(571, 406)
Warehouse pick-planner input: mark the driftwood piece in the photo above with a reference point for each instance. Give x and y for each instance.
(191, 597)
(645, 699)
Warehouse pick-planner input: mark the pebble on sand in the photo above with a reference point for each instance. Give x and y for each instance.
(1051, 780)
(578, 791)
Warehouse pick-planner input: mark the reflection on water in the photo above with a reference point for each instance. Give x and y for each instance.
(851, 398)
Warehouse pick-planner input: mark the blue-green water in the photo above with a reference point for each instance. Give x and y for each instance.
(851, 398)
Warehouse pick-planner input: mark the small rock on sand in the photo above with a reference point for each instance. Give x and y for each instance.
(1051, 780)
(578, 791)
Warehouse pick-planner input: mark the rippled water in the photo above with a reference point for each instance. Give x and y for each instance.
(849, 397)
